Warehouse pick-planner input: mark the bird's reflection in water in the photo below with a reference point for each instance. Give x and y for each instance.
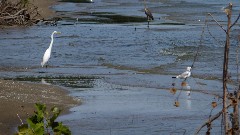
(189, 103)
(44, 82)
(188, 100)
(188, 90)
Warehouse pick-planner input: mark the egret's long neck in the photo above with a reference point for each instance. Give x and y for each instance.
(50, 46)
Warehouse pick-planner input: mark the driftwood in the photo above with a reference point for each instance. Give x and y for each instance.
(18, 13)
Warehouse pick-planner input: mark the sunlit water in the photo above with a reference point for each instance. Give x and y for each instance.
(122, 71)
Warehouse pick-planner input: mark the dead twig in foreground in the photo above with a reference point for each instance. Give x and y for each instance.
(210, 120)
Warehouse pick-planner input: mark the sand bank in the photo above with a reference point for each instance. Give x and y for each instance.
(19, 98)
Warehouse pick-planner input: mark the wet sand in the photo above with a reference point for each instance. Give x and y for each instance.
(19, 98)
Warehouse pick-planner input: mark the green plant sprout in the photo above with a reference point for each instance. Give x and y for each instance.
(43, 123)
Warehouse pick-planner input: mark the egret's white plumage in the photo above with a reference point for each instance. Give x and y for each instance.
(47, 53)
(185, 74)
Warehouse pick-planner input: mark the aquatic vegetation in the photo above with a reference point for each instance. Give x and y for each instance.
(107, 17)
(77, 1)
(114, 18)
(66, 81)
(170, 23)
(43, 123)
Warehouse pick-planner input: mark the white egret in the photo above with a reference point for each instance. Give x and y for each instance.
(185, 74)
(47, 53)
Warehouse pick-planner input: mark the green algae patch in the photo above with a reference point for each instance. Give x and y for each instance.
(77, 1)
(172, 23)
(65, 81)
(114, 18)
(107, 17)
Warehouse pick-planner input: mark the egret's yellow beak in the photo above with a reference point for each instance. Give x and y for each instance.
(58, 33)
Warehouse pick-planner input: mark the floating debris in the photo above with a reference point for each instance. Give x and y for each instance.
(184, 84)
(214, 104)
(176, 103)
(173, 90)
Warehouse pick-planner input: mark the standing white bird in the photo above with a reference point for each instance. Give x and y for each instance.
(185, 74)
(47, 53)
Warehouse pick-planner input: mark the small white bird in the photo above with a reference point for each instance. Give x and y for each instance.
(47, 53)
(185, 74)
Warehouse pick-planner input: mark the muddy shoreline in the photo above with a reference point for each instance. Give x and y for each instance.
(19, 98)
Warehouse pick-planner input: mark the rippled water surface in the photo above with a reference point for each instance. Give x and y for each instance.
(121, 69)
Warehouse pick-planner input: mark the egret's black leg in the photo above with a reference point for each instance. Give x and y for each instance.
(148, 21)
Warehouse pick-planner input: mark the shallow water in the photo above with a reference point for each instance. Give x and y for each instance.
(121, 69)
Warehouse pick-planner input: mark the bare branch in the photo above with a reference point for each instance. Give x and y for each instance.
(235, 21)
(217, 22)
(210, 120)
(13, 16)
